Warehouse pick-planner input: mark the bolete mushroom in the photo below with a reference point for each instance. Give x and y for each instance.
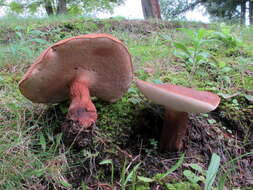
(75, 68)
(178, 102)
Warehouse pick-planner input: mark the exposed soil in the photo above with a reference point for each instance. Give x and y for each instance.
(134, 146)
(80, 138)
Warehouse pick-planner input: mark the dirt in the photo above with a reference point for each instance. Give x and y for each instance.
(135, 146)
(77, 136)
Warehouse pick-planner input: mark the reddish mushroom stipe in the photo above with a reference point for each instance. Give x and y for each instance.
(81, 109)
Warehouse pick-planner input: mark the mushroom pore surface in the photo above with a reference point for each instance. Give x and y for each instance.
(99, 60)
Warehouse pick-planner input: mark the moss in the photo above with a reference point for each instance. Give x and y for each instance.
(236, 115)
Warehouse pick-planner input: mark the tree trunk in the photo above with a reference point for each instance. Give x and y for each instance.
(61, 7)
(243, 12)
(151, 9)
(49, 7)
(250, 12)
(156, 8)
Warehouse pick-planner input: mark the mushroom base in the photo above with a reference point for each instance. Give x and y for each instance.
(174, 129)
(81, 110)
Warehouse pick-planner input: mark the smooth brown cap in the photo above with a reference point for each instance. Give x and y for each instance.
(179, 98)
(100, 60)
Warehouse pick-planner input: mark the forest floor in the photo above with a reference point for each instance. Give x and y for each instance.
(122, 152)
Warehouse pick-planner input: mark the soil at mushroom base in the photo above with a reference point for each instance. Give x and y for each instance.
(133, 138)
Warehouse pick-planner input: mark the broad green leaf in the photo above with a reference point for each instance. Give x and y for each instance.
(166, 37)
(249, 97)
(228, 96)
(200, 59)
(182, 47)
(36, 33)
(227, 79)
(84, 186)
(33, 172)
(212, 171)
(39, 173)
(201, 33)
(196, 44)
(104, 162)
(222, 64)
(65, 184)
(203, 41)
(189, 32)
(175, 167)
(134, 100)
(40, 41)
(197, 168)
(219, 35)
(181, 55)
(211, 121)
(204, 54)
(157, 81)
(19, 34)
(192, 177)
(145, 179)
(132, 173)
(226, 69)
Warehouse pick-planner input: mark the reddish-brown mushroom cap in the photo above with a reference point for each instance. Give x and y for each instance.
(179, 98)
(99, 60)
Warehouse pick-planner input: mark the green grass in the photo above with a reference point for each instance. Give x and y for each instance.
(32, 152)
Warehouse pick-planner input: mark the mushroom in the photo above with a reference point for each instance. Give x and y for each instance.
(75, 68)
(178, 102)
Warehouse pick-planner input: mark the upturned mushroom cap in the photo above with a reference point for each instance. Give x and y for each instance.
(99, 60)
(179, 98)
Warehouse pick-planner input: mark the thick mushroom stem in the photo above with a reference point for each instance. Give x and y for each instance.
(174, 129)
(81, 110)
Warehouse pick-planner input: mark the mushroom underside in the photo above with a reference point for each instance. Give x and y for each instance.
(76, 68)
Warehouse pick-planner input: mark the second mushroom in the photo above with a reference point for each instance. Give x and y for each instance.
(178, 102)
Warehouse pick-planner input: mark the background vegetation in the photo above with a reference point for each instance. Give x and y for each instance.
(123, 151)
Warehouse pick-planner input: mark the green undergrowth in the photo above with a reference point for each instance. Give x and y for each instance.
(124, 153)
